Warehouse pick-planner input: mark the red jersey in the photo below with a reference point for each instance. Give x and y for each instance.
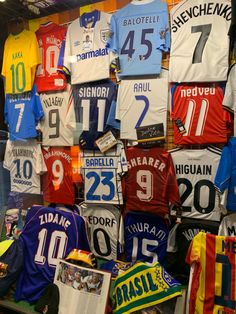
(198, 107)
(150, 184)
(57, 182)
(50, 37)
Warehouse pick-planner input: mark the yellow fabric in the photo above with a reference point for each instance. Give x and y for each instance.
(20, 59)
(4, 245)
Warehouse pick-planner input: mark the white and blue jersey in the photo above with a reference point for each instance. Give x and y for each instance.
(225, 179)
(95, 111)
(84, 55)
(49, 234)
(145, 237)
(139, 33)
(22, 113)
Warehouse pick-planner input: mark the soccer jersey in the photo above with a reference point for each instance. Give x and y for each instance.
(139, 33)
(195, 171)
(142, 286)
(59, 122)
(25, 162)
(228, 226)
(229, 101)
(57, 182)
(21, 56)
(22, 113)
(86, 57)
(93, 105)
(199, 41)
(145, 237)
(179, 240)
(49, 234)
(140, 103)
(106, 229)
(214, 276)
(150, 183)
(225, 179)
(102, 175)
(199, 108)
(50, 37)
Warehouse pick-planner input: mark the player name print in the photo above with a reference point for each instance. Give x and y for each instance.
(204, 9)
(54, 219)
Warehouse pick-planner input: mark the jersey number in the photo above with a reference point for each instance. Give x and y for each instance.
(57, 172)
(54, 123)
(202, 184)
(145, 109)
(51, 57)
(55, 250)
(128, 47)
(105, 180)
(18, 75)
(201, 118)
(101, 105)
(144, 179)
(100, 236)
(27, 169)
(205, 32)
(21, 111)
(144, 249)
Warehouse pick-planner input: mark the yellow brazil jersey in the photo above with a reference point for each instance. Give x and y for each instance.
(213, 287)
(20, 59)
(142, 286)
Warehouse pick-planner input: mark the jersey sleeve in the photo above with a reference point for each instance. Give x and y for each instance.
(223, 228)
(122, 166)
(163, 42)
(5, 53)
(171, 242)
(223, 174)
(6, 113)
(172, 189)
(193, 254)
(111, 119)
(112, 43)
(34, 52)
(8, 158)
(38, 108)
(65, 57)
(83, 241)
(230, 90)
(70, 115)
(40, 166)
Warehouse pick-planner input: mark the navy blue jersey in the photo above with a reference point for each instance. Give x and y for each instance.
(49, 234)
(22, 113)
(94, 105)
(145, 237)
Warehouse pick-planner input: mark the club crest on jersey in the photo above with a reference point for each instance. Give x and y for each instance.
(104, 35)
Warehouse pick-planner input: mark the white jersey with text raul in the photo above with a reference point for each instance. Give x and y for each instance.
(102, 175)
(106, 228)
(59, 118)
(199, 40)
(86, 57)
(25, 162)
(195, 172)
(142, 102)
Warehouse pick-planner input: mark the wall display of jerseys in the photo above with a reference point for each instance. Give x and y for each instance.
(129, 195)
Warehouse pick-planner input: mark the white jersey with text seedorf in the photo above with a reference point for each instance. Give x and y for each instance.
(86, 57)
(25, 162)
(200, 44)
(102, 175)
(142, 102)
(106, 229)
(59, 118)
(195, 172)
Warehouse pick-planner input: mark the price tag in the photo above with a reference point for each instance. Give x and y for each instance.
(105, 142)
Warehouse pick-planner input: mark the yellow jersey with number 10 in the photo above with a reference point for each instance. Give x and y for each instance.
(20, 59)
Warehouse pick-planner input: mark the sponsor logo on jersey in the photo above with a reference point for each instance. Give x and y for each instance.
(92, 54)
